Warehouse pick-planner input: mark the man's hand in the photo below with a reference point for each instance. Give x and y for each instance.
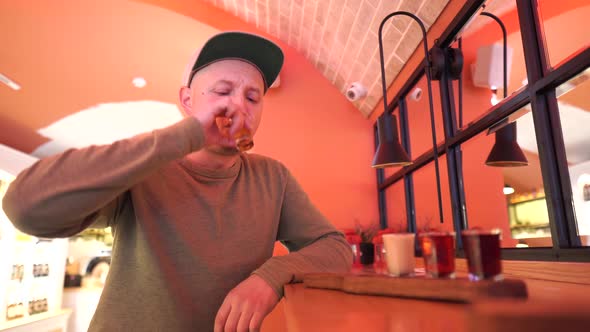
(220, 133)
(246, 305)
(221, 121)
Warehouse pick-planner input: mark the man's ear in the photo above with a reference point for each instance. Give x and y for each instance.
(184, 95)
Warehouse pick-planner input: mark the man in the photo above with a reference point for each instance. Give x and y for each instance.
(194, 220)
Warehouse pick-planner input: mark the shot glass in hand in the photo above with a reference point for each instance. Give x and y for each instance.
(244, 141)
(242, 137)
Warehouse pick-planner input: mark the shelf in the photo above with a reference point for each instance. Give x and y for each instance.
(32, 319)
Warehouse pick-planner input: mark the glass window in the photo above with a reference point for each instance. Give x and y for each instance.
(426, 200)
(482, 46)
(574, 113)
(565, 25)
(509, 198)
(395, 197)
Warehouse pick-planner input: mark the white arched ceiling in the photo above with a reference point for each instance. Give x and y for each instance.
(340, 37)
(106, 123)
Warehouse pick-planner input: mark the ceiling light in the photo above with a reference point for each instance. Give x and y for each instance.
(389, 151)
(12, 84)
(494, 100)
(139, 82)
(508, 190)
(506, 152)
(433, 64)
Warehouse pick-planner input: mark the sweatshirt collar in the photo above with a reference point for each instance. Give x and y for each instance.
(213, 173)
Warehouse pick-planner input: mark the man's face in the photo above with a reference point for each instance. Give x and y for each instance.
(235, 83)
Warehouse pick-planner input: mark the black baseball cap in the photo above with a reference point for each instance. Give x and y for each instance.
(262, 53)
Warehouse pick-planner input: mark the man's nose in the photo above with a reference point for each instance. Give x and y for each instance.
(238, 101)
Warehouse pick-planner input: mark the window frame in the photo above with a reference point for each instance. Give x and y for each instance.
(540, 93)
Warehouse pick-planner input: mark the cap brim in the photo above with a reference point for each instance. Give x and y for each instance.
(260, 52)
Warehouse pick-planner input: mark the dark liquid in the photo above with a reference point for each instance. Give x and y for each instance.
(439, 255)
(367, 253)
(483, 255)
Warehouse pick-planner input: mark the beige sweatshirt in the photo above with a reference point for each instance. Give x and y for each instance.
(183, 236)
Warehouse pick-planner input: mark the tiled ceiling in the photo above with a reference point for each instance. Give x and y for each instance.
(496, 7)
(340, 37)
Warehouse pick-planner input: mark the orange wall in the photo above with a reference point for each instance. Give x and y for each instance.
(311, 127)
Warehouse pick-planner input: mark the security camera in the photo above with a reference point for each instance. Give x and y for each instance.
(356, 91)
(416, 94)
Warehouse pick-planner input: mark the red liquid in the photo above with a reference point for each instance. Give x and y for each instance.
(438, 251)
(483, 255)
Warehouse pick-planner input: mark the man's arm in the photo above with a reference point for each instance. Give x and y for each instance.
(314, 244)
(61, 195)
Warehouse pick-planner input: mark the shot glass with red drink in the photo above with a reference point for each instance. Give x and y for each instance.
(438, 250)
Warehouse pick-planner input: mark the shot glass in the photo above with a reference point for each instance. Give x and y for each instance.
(399, 253)
(438, 250)
(379, 260)
(482, 249)
(242, 137)
(354, 241)
(244, 141)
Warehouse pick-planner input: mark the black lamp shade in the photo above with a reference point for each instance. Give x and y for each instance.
(389, 153)
(506, 152)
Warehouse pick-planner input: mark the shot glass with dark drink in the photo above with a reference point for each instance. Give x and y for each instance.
(482, 249)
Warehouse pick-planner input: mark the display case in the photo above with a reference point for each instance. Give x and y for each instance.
(529, 219)
(31, 269)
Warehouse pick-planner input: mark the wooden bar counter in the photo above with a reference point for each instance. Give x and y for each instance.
(551, 306)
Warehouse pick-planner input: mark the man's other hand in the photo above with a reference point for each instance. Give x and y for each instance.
(246, 305)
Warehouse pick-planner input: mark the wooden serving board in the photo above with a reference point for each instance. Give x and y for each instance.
(455, 290)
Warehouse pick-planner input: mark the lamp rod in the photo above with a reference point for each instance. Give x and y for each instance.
(504, 51)
(460, 85)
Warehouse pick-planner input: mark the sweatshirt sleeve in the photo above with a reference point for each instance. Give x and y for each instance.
(314, 244)
(61, 195)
